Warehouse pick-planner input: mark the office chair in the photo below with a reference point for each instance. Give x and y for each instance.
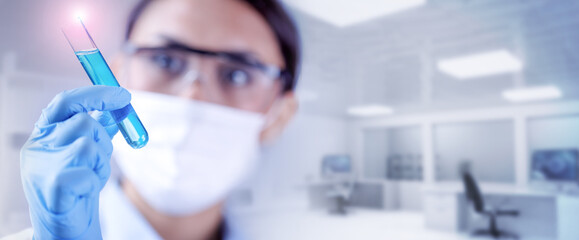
(474, 195)
(341, 192)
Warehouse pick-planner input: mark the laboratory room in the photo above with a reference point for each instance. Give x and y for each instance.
(289, 119)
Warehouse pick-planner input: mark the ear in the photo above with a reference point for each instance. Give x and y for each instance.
(288, 107)
(117, 66)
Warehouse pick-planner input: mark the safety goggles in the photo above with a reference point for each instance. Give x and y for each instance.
(229, 78)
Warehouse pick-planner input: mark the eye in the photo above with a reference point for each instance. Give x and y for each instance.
(236, 76)
(168, 62)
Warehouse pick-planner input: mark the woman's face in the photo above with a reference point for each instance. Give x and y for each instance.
(215, 25)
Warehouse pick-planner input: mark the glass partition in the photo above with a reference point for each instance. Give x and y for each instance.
(393, 153)
(488, 146)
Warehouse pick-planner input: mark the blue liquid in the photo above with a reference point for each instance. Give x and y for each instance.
(126, 118)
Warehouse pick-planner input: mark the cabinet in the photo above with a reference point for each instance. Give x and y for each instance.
(441, 211)
(543, 215)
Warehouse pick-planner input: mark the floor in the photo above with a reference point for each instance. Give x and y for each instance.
(358, 224)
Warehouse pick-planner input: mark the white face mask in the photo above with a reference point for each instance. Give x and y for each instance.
(197, 152)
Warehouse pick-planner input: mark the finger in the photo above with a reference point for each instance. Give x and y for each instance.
(83, 152)
(85, 99)
(70, 147)
(107, 121)
(103, 168)
(88, 154)
(80, 222)
(70, 186)
(78, 126)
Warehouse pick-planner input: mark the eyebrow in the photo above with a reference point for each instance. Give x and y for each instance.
(243, 55)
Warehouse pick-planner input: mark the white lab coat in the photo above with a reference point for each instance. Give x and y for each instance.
(120, 220)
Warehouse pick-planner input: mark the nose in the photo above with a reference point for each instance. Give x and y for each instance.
(192, 88)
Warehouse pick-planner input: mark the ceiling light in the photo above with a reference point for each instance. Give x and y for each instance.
(370, 110)
(342, 13)
(532, 94)
(481, 64)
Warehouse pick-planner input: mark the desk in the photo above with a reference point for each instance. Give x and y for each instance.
(378, 194)
(543, 215)
(363, 194)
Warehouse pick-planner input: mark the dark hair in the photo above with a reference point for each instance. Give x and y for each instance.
(277, 18)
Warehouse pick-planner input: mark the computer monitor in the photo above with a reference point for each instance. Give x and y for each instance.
(336, 165)
(555, 165)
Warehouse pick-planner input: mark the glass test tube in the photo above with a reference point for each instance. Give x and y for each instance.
(100, 74)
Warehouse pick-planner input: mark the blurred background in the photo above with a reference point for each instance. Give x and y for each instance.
(405, 107)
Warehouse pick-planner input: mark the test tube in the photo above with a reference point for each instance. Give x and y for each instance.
(99, 73)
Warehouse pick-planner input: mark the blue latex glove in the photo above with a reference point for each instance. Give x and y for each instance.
(66, 162)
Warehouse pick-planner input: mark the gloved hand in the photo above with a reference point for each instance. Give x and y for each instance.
(66, 162)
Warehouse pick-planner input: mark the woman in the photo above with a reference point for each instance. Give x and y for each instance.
(222, 72)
